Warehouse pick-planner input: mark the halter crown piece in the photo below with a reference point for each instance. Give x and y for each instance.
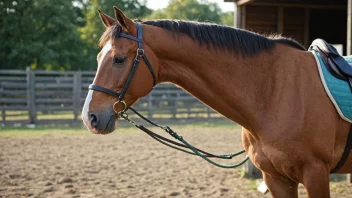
(139, 54)
(184, 144)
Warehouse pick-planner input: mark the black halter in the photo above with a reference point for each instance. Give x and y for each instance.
(140, 53)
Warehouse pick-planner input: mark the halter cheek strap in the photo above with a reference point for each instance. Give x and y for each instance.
(139, 54)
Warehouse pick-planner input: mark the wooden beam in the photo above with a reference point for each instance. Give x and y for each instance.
(306, 27)
(31, 96)
(240, 16)
(77, 92)
(280, 20)
(242, 2)
(349, 27)
(243, 17)
(296, 5)
(238, 19)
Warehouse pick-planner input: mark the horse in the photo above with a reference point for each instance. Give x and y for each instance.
(268, 85)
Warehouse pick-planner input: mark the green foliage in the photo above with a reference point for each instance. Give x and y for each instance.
(39, 35)
(63, 35)
(157, 14)
(227, 18)
(189, 10)
(195, 11)
(15, 34)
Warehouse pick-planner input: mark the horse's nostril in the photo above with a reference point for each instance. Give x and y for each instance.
(94, 120)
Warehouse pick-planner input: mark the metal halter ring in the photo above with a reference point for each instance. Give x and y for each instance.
(122, 111)
(140, 52)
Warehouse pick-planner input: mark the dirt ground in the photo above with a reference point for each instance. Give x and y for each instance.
(124, 164)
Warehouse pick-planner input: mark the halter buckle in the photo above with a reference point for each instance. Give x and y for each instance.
(117, 103)
(140, 52)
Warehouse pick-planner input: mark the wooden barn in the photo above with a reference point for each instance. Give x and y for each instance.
(303, 20)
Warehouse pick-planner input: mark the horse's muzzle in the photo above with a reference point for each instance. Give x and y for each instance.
(101, 123)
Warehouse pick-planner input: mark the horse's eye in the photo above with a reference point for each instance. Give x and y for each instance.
(119, 60)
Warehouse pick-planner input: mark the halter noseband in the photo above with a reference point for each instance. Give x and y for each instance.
(139, 54)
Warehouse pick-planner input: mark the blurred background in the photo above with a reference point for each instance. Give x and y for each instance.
(48, 55)
(64, 35)
(48, 50)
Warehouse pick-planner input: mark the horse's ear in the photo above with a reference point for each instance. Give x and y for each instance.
(106, 19)
(125, 22)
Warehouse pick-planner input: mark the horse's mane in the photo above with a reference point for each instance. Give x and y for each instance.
(220, 37)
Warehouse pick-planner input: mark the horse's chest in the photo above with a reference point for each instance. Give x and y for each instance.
(274, 159)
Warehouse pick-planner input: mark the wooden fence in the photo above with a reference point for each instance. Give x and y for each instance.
(54, 97)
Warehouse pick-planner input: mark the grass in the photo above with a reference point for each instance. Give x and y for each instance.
(80, 130)
(252, 185)
(165, 114)
(336, 188)
(23, 115)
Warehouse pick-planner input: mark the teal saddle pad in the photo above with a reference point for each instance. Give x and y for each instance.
(339, 91)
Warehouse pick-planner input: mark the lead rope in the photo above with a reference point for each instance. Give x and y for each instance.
(167, 142)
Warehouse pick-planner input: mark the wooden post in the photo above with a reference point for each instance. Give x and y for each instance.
(240, 20)
(252, 171)
(208, 113)
(174, 108)
(243, 17)
(238, 16)
(349, 27)
(31, 96)
(77, 92)
(3, 116)
(3, 112)
(349, 178)
(150, 106)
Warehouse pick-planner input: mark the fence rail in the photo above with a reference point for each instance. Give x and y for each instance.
(50, 97)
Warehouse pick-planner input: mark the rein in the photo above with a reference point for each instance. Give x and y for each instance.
(175, 145)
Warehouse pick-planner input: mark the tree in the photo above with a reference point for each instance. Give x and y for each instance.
(189, 10)
(15, 34)
(157, 14)
(64, 35)
(40, 34)
(228, 19)
(94, 27)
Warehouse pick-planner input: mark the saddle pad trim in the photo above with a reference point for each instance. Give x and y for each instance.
(322, 78)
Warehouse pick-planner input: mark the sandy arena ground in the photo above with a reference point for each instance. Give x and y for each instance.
(124, 164)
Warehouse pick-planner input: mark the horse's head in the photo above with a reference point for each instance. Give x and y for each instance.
(123, 76)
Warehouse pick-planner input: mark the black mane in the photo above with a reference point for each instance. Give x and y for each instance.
(220, 37)
(223, 37)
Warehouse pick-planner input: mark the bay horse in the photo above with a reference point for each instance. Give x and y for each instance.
(270, 86)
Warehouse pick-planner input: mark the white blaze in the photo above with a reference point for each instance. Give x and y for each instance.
(104, 51)
(85, 109)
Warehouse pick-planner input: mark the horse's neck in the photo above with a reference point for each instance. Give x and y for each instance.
(234, 86)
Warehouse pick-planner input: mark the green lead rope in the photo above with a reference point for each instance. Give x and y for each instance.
(209, 160)
(193, 150)
(197, 153)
